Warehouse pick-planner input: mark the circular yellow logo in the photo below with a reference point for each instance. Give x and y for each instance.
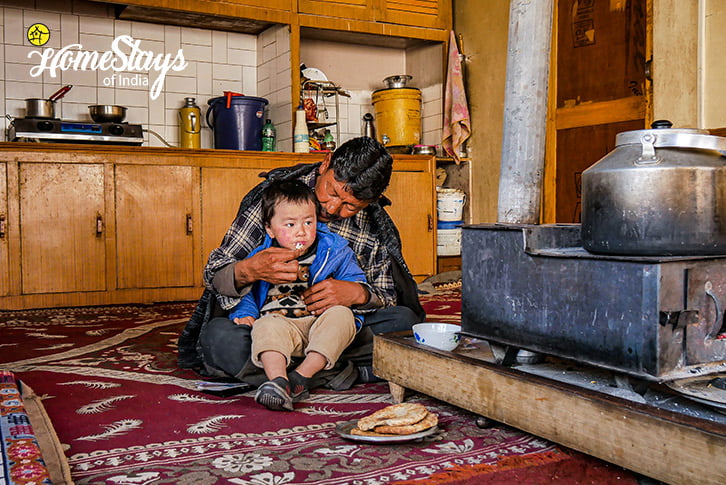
(38, 34)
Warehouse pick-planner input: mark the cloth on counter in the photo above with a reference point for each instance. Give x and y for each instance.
(457, 124)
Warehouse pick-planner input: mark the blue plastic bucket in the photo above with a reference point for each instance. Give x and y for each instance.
(238, 127)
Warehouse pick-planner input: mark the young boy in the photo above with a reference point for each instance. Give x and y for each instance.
(282, 327)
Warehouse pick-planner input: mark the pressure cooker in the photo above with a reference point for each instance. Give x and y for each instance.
(660, 192)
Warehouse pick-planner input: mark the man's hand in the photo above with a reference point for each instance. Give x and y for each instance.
(330, 292)
(274, 265)
(249, 321)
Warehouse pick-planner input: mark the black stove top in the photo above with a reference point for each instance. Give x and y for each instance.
(60, 131)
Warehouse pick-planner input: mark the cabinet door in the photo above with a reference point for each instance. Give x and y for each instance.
(411, 208)
(4, 261)
(153, 226)
(419, 13)
(61, 240)
(347, 9)
(222, 192)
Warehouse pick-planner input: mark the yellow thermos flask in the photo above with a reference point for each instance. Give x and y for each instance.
(190, 124)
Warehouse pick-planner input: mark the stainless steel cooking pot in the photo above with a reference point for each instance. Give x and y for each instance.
(660, 192)
(39, 108)
(107, 113)
(397, 81)
(45, 108)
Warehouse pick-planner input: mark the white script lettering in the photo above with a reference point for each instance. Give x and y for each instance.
(125, 55)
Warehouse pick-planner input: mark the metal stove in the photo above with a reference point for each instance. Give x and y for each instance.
(87, 132)
(655, 319)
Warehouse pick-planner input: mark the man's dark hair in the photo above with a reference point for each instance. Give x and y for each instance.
(292, 191)
(364, 166)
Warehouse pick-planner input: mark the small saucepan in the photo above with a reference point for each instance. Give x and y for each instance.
(44, 108)
(107, 113)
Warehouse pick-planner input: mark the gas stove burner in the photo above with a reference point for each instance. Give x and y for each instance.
(59, 131)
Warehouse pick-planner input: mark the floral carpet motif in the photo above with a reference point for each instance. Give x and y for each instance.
(126, 414)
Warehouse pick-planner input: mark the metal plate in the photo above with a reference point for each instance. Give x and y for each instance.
(343, 429)
(700, 389)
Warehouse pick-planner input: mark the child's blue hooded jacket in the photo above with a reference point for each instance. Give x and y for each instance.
(333, 259)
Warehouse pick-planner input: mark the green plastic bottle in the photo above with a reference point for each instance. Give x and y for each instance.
(269, 133)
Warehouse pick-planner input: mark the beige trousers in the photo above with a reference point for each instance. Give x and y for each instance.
(328, 334)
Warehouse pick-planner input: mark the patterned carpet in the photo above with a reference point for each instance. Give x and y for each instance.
(125, 414)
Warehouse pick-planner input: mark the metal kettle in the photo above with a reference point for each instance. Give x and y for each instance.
(660, 192)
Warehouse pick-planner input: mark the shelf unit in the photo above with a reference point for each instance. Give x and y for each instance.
(322, 90)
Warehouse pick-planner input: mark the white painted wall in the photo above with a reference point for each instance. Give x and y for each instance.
(713, 66)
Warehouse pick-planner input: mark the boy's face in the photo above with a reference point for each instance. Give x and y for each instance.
(293, 225)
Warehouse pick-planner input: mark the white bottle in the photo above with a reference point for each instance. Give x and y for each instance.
(301, 136)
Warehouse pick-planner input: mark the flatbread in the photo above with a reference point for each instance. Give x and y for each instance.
(394, 415)
(429, 421)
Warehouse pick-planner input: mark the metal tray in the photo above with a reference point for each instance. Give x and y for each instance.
(343, 429)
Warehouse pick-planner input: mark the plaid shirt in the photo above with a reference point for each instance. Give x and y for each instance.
(247, 232)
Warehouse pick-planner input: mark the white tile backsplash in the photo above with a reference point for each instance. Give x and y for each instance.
(145, 31)
(94, 25)
(217, 62)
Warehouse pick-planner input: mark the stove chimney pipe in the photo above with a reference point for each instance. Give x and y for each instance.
(525, 111)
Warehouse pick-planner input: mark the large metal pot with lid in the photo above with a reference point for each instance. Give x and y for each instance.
(660, 192)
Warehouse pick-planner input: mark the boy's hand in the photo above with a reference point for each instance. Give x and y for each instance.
(249, 321)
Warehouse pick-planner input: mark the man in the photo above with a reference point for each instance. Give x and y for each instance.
(348, 185)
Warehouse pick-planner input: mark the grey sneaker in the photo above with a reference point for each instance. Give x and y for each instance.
(275, 395)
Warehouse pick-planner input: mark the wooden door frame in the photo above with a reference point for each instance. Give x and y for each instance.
(593, 114)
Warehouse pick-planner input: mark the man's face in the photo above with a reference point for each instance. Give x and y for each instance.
(335, 201)
(293, 225)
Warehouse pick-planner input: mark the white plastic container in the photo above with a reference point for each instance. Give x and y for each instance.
(450, 204)
(448, 238)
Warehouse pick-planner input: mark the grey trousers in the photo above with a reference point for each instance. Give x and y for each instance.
(226, 347)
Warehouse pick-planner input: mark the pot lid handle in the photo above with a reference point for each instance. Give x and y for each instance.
(671, 138)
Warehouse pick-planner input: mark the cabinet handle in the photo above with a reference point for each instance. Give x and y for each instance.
(99, 225)
(3, 226)
(431, 222)
(190, 224)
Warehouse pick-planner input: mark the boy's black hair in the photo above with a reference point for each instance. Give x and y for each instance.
(293, 191)
(364, 166)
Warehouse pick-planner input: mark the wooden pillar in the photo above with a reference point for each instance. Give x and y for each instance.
(525, 111)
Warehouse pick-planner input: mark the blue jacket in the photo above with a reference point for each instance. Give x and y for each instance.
(333, 259)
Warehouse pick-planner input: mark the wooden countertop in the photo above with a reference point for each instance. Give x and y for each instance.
(86, 153)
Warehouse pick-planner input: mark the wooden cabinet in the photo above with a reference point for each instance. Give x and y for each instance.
(420, 13)
(348, 9)
(97, 225)
(154, 226)
(62, 247)
(415, 13)
(222, 192)
(412, 208)
(4, 262)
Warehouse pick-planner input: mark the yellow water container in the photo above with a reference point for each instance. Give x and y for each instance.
(398, 116)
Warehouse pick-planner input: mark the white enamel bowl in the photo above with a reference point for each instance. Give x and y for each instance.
(442, 336)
